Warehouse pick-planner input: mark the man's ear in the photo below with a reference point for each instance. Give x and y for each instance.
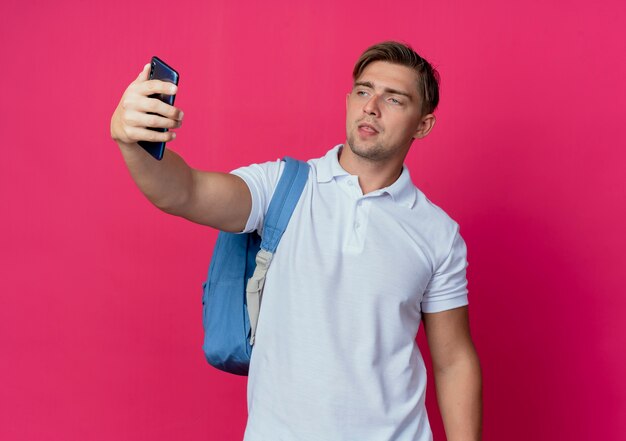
(425, 126)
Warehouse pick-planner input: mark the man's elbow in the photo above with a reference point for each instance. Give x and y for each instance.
(464, 359)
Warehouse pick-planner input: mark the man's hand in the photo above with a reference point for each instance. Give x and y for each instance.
(131, 117)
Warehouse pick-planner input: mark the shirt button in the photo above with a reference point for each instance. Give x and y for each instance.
(350, 183)
(357, 225)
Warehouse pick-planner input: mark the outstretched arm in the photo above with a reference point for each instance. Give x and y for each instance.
(219, 200)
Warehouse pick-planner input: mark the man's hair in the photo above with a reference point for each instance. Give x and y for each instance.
(404, 55)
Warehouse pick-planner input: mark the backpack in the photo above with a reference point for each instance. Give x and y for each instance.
(231, 295)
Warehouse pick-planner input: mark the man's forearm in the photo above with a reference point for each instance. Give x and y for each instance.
(166, 183)
(459, 394)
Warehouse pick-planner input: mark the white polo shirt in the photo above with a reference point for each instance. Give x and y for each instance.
(335, 357)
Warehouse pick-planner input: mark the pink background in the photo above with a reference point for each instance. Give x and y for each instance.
(100, 327)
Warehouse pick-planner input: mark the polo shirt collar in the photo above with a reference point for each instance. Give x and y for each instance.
(402, 191)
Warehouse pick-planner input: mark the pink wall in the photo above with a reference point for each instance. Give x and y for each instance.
(100, 331)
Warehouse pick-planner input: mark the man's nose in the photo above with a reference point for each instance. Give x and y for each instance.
(371, 106)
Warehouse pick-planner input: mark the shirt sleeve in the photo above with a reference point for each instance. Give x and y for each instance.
(447, 288)
(261, 180)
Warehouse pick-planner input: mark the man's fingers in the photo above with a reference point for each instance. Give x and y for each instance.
(138, 110)
(141, 119)
(154, 105)
(144, 74)
(142, 134)
(156, 86)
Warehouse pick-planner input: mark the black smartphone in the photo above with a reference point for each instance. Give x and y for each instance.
(159, 70)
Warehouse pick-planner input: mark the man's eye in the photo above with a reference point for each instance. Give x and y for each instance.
(395, 101)
(361, 92)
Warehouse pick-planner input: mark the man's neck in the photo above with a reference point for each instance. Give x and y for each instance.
(373, 175)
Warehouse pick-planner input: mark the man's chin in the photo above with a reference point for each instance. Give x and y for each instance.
(365, 150)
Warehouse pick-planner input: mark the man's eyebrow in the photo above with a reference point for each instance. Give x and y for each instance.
(369, 85)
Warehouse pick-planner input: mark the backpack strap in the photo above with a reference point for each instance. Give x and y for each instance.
(284, 200)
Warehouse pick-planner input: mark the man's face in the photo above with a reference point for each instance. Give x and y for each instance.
(383, 112)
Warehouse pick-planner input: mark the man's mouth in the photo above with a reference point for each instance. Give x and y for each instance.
(367, 128)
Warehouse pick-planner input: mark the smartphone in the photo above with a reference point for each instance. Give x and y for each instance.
(159, 70)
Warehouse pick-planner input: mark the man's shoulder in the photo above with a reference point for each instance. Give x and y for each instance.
(434, 223)
(434, 210)
(271, 171)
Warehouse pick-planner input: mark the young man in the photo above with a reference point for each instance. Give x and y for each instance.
(366, 256)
